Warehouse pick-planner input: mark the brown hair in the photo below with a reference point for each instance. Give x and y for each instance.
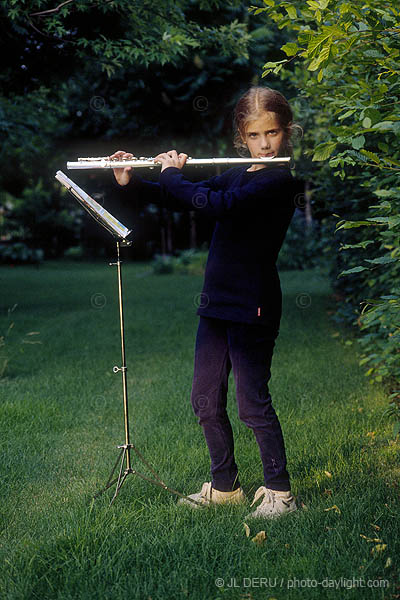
(251, 106)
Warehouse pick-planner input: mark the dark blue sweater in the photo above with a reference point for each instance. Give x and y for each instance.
(252, 211)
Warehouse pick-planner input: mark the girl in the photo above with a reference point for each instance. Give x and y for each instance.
(241, 301)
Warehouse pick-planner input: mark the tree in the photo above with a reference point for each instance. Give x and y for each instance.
(343, 56)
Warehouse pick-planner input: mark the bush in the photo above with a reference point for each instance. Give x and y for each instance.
(74, 253)
(20, 253)
(303, 246)
(162, 264)
(187, 262)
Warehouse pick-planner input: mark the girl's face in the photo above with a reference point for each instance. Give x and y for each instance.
(264, 136)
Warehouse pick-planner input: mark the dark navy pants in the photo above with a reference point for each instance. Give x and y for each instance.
(246, 349)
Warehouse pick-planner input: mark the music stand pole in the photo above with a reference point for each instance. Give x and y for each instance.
(125, 448)
(125, 454)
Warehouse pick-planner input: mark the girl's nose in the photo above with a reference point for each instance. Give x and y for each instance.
(264, 142)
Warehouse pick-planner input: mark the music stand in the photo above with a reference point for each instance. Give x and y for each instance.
(120, 233)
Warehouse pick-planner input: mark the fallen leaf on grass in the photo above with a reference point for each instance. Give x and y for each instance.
(328, 474)
(260, 538)
(376, 540)
(378, 549)
(388, 563)
(247, 529)
(335, 508)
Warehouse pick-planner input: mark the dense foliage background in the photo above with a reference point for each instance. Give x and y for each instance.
(344, 56)
(88, 78)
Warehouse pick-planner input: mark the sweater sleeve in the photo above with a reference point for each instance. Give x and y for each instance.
(272, 191)
(158, 193)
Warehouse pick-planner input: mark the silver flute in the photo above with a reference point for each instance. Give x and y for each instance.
(105, 162)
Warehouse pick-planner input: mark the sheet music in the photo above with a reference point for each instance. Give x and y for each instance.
(94, 208)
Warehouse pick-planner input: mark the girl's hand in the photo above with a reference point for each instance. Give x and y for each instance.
(171, 159)
(123, 175)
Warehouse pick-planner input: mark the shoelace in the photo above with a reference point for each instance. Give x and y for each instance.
(269, 497)
(206, 492)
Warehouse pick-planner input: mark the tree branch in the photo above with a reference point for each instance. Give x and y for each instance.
(51, 10)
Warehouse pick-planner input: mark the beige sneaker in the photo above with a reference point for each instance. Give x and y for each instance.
(209, 495)
(273, 504)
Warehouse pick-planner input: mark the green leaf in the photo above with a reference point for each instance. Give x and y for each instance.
(318, 60)
(348, 113)
(386, 193)
(373, 54)
(353, 270)
(384, 126)
(291, 11)
(383, 146)
(324, 151)
(352, 224)
(378, 219)
(396, 163)
(381, 260)
(371, 155)
(359, 245)
(394, 221)
(290, 49)
(358, 142)
(317, 43)
(273, 65)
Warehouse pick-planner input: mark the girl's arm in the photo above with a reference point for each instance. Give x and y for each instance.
(272, 190)
(129, 182)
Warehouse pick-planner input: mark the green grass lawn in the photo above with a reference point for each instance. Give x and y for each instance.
(61, 419)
